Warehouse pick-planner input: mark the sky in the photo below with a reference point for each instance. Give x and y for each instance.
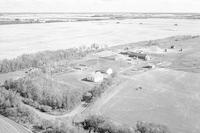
(100, 6)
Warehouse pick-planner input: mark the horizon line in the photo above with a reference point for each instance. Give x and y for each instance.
(59, 12)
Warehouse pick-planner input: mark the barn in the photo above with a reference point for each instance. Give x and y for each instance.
(137, 55)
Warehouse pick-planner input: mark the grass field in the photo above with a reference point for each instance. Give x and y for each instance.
(73, 79)
(104, 63)
(167, 97)
(11, 75)
(167, 94)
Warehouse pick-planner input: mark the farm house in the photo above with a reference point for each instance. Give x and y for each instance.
(137, 55)
(95, 77)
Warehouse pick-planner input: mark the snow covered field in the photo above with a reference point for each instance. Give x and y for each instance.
(29, 38)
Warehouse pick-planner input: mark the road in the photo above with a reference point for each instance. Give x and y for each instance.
(9, 126)
(78, 110)
(47, 116)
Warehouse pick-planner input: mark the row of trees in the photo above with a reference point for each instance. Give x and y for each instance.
(46, 126)
(100, 124)
(45, 58)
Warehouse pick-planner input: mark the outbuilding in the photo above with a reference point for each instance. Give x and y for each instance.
(137, 55)
(108, 71)
(95, 77)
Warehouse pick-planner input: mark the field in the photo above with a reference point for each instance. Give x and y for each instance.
(11, 75)
(35, 37)
(73, 79)
(167, 94)
(163, 90)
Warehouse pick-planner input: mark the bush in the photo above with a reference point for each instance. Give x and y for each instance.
(97, 91)
(43, 108)
(57, 127)
(99, 124)
(144, 127)
(8, 99)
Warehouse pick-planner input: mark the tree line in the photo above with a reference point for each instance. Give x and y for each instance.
(100, 124)
(45, 58)
(45, 94)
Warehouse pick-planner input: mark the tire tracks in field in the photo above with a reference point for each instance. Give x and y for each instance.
(107, 96)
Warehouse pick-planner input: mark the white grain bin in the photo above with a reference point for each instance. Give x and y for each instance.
(109, 71)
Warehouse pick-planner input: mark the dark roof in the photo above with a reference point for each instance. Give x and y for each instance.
(134, 54)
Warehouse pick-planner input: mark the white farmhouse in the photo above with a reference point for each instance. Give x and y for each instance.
(95, 77)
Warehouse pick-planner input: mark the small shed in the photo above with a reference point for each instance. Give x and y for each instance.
(109, 71)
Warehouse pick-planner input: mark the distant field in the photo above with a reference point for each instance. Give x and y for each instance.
(30, 38)
(168, 94)
(167, 97)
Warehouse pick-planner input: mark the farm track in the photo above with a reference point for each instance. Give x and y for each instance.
(47, 116)
(110, 93)
(79, 109)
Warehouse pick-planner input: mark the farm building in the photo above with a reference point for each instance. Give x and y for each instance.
(95, 77)
(108, 71)
(137, 55)
(149, 66)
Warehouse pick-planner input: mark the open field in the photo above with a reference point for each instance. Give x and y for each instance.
(30, 18)
(11, 75)
(38, 37)
(163, 89)
(167, 96)
(73, 79)
(104, 63)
